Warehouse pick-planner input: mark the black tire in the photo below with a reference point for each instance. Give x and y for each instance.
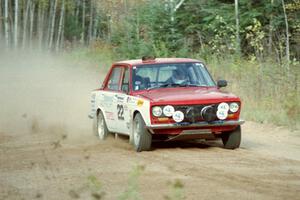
(100, 128)
(232, 140)
(95, 125)
(142, 139)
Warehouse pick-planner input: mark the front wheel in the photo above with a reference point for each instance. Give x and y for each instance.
(142, 139)
(232, 140)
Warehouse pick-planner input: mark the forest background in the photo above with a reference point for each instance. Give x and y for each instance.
(254, 44)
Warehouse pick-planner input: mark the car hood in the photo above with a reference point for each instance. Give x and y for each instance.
(191, 95)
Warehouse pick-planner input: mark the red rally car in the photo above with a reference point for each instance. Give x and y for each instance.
(165, 99)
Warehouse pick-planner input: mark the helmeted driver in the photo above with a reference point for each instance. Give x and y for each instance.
(179, 77)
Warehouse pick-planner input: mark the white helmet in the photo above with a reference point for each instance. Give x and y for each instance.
(179, 77)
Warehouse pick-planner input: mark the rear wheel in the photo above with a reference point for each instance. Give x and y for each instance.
(232, 140)
(142, 139)
(101, 128)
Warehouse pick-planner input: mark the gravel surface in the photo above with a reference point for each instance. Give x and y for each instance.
(47, 150)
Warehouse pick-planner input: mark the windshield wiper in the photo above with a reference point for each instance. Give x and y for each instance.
(174, 85)
(163, 86)
(160, 86)
(191, 85)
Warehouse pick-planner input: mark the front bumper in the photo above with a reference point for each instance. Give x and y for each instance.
(196, 125)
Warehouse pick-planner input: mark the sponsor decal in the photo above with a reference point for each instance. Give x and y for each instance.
(120, 110)
(109, 115)
(131, 101)
(140, 103)
(119, 99)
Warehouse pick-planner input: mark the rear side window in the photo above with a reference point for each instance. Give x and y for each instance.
(114, 79)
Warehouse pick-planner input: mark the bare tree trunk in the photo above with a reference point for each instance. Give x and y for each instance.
(60, 26)
(25, 23)
(95, 26)
(109, 19)
(48, 30)
(83, 22)
(173, 8)
(200, 40)
(52, 25)
(237, 25)
(16, 23)
(40, 24)
(97, 20)
(77, 11)
(11, 23)
(270, 32)
(31, 23)
(6, 23)
(178, 5)
(287, 42)
(62, 38)
(172, 16)
(1, 17)
(91, 21)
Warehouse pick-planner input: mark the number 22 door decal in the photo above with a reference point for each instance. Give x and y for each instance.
(120, 110)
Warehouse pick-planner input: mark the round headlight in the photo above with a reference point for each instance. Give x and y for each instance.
(178, 116)
(156, 111)
(234, 107)
(223, 106)
(168, 111)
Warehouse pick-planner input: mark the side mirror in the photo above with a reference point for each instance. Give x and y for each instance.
(222, 83)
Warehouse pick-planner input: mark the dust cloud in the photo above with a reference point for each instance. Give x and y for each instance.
(44, 93)
(48, 151)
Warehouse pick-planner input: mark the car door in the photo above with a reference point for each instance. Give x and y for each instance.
(123, 115)
(110, 98)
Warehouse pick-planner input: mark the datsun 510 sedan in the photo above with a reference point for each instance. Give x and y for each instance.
(165, 99)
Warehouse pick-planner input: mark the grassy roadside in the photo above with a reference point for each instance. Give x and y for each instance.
(269, 92)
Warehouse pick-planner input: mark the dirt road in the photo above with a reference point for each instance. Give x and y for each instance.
(47, 150)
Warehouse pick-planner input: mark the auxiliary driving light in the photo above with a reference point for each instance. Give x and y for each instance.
(222, 114)
(178, 116)
(223, 106)
(157, 111)
(168, 110)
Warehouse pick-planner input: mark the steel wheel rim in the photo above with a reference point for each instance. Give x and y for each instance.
(100, 126)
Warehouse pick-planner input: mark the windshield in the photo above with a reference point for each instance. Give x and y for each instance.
(171, 75)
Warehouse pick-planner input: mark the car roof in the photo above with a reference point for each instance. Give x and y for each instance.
(156, 61)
